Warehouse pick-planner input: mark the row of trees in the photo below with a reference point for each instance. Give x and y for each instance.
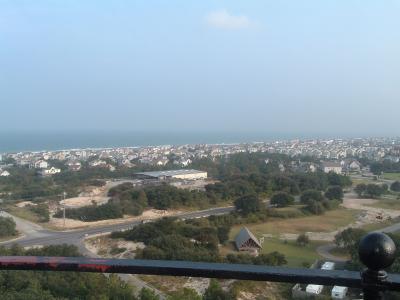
(315, 201)
(93, 212)
(377, 168)
(371, 190)
(268, 184)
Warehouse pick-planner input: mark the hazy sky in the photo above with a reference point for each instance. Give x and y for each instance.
(273, 66)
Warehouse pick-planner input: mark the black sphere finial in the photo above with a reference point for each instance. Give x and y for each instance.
(377, 251)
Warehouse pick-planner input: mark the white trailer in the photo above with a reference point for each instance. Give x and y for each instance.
(339, 292)
(314, 289)
(328, 266)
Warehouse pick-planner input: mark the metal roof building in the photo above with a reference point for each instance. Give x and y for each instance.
(189, 174)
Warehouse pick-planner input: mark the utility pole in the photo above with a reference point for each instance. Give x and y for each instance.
(64, 194)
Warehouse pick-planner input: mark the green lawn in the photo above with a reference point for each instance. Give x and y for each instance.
(387, 203)
(339, 252)
(327, 222)
(380, 225)
(392, 176)
(23, 213)
(295, 255)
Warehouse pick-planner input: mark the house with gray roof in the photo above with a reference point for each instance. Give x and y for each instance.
(246, 241)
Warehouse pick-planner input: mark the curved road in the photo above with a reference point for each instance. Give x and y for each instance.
(35, 235)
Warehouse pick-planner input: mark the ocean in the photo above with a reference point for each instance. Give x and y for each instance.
(40, 141)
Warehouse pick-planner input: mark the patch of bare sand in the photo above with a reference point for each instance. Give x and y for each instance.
(198, 284)
(25, 203)
(147, 215)
(104, 246)
(84, 201)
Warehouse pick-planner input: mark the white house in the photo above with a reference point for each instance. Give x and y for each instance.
(74, 166)
(332, 167)
(5, 174)
(41, 164)
(97, 163)
(51, 171)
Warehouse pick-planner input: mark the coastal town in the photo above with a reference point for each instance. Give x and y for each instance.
(338, 155)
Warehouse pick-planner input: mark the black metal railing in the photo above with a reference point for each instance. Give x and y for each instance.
(377, 252)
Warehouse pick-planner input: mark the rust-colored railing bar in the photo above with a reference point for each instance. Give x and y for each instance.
(377, 252)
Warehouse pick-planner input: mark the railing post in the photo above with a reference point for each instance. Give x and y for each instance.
(377, 252)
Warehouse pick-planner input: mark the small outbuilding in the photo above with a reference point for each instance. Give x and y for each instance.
(246, 241)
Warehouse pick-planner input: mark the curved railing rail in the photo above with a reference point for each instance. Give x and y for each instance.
(377, 251)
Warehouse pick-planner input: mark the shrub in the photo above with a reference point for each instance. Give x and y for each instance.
(334, 193)
(282, 199)
(315, 208)
(311, 195)
(395, 186)
(7, 227)
(302, 240)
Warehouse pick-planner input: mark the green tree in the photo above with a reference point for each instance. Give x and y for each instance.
(375, 190)
(360, 189)
(248, 204)
(147, 294)
(7, 227)
(395, 186)
(348, 238)
(334, 193)
(315, 207)
(303, 240)
(282, 199)
(223, 233)
(311, 195)
(215, 292)
(185, 294)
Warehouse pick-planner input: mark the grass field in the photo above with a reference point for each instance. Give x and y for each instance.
(327, 222)
(357, 181)
(380, 225)
(387, 203)
(295, 255)
(392, 176)
(22, 213)
(339, 252)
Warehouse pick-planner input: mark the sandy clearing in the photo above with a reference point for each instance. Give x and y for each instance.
(25, 203)
(103, 245)
(84, 201)
(147, 215)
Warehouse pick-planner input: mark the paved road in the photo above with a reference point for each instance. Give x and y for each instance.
(36, 235)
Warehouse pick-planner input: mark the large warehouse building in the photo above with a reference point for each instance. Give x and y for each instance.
(175, 174)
